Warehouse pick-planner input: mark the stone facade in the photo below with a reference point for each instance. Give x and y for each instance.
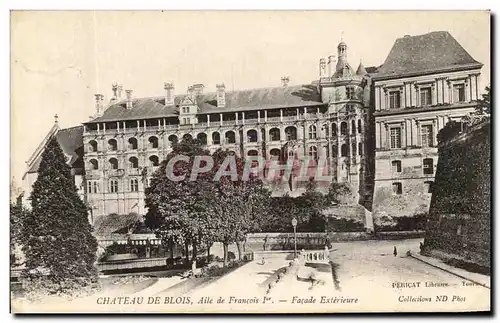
(376, 128)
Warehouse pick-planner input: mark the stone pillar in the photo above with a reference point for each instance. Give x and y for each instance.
(208, 122)
(402, 95)
(408, 94)
(243, 117)
(467, 90)
(258, 116)
(384, 100)
(298, 114)
(419, 139)
(259, 135)
(300, 132)
(265, 115)
(436, 93)
(104, 125)
(221, 122)
(305, 113)
(236, 117)
(387, 137)
(413, 94)
(209, 138)
(450, 92)
(237, 137)
(281, 115)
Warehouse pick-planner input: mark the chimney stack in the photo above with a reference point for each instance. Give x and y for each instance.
(119, 90)
(99, 98)
(285, 80)
(198, 89)
(322, 68)
(169, 93)
(221, 95)
(331, 65)
(129, 99)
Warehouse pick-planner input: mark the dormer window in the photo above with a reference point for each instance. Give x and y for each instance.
(185, 109)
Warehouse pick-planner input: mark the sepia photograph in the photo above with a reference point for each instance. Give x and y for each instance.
(245, 161)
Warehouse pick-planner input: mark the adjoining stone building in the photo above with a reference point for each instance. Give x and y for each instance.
(376, 127)
(425, 82)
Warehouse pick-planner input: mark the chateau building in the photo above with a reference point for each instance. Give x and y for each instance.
(375, 127)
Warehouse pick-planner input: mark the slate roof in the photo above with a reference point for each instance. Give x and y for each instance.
(425, 53)
(70, 140)
(254, 99)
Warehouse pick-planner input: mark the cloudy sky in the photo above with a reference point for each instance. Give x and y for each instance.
(60, 59)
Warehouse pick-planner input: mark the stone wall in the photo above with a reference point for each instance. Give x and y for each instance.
(459, 216)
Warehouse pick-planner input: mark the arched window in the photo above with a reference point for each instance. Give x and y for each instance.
(113, 186)
(353, 127)
(92, 187)
(252, 152)
(94, 164)
(312, 132)
(134, 185)
(230, 137)
(334, 129)
(334, 151)
(343, 128)
(112, 145)
(133, 162)
(216, 138)
(428, 166)
(202, 137)
(359, 126)
(96, 187)
(360, 149)
(344, 150)
(187, 137)
(275, 153)
(173, 139)
(113, 163)
(353, 148)
(132, 143)
(153, 142)
(313, 152)
(274, 134)
(92, 146)
(291, 133)
(252, 135)
(154, 161)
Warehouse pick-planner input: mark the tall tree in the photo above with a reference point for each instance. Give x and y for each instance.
(177, 210)
(56, 235)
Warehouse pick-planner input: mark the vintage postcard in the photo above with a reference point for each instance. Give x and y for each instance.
(250, 161)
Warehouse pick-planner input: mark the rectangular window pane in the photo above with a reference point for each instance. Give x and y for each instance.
(425, 96)
(459, 93)
(396, 137)
(427, 135)
(394, 100)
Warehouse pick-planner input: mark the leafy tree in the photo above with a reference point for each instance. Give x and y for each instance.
(56, 235)
(450, 130)
(177, 210)
(483, 107)
(312, 203)
(239, 203)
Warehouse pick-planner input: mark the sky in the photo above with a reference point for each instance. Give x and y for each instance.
(60, 59)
